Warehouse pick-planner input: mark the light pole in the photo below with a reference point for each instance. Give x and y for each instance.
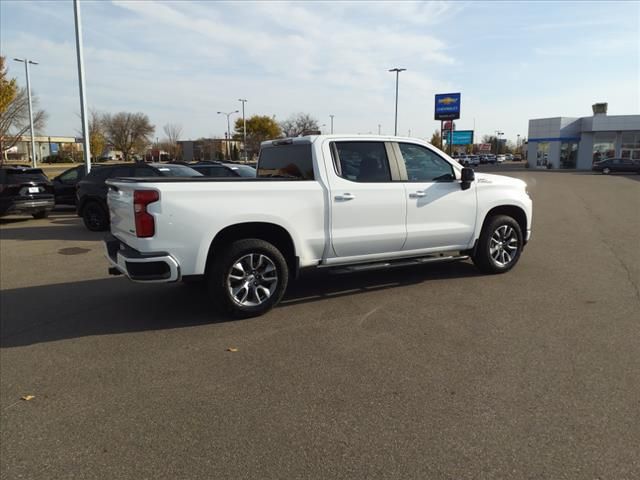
(27, 62)
(244, 129)
(518, 143)
(82, 88)
(397, 70)
(379, 129)
(331, 116)
(498, 133)
(228, 131)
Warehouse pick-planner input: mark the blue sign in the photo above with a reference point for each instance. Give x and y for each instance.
(447, 106)
(460, 137)
(53, 149)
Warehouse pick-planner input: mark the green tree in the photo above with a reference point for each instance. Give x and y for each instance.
(259, 129)
(8, 87)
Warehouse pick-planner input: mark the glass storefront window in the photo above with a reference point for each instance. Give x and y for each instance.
(568, 155)
(630, 145)
(604, 145)
(542, 154)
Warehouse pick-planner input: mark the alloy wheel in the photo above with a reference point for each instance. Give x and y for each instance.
(252, 280)
(503, 245)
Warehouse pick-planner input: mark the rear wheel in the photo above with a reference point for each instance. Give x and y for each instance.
(248, 278)
(40, 214)
(499, 246)
(95, 217)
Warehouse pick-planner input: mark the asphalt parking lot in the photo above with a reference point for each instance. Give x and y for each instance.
(434, 372)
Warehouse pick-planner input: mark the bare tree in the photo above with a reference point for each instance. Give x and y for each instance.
(298, 123)
(14, 120)
(128, 132)
(173, 132)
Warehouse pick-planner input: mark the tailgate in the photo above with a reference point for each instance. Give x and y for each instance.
(120, 201)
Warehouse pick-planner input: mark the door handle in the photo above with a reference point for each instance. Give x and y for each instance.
(345, 196)
(418, 194)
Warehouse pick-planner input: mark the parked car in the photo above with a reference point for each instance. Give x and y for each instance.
(65, 184)
(317, 202)
(220, 169)
(25, 190)
(617, 165)
(91, 195)
(501, 158)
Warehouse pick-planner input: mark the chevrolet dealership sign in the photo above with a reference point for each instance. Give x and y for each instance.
(447, 106)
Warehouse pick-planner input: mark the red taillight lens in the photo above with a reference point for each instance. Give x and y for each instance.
(145, 224)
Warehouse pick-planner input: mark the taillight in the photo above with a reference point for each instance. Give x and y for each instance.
(145, 225)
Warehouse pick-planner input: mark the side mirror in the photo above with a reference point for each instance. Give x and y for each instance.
(468, 176)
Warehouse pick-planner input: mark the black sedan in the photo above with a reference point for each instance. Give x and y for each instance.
(91, 194)
(617, 165)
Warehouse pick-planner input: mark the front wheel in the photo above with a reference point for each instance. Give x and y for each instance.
(499, 246)
(248, 278)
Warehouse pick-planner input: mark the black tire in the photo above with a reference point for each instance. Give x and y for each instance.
(220, 277)
(40, 214)
(483, 257)
(95, 217)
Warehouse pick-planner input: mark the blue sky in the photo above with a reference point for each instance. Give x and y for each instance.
(181, 62)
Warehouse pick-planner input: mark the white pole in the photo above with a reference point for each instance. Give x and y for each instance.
(33, 141)
(83, 100)
(332, 123)
(244, 129)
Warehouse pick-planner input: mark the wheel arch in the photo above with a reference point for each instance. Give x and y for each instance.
(275, 234)
(513, 211)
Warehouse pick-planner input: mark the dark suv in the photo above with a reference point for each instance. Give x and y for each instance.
(25, 190)
(65, 184)
(91, 196)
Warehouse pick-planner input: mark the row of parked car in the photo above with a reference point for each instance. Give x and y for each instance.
(475, 160)
(29, 191)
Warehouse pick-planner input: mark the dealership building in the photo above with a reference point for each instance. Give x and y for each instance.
(566, 142)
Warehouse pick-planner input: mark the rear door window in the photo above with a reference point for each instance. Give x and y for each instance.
(286, 161)
(17, 176)
(362, 161)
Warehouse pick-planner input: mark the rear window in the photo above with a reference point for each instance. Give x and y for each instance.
(16, 176)
(286, 161)
(177, 171)
(244, 171)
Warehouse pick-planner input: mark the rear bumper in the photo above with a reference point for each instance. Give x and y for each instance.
(30, 205)
(152, 267)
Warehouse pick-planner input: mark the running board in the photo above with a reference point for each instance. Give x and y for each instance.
(404, 262)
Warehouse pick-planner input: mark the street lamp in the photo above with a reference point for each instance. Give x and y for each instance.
(82, 88)
(28, 62)
(228, 131)
(397, 70)
(498, 133)
(244, 129)
(379, 129)
(331, 123)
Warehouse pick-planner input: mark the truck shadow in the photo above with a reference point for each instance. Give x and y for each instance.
(49, 313)
(59, 226)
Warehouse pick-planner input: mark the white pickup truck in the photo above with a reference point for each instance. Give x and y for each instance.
(319, 201)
